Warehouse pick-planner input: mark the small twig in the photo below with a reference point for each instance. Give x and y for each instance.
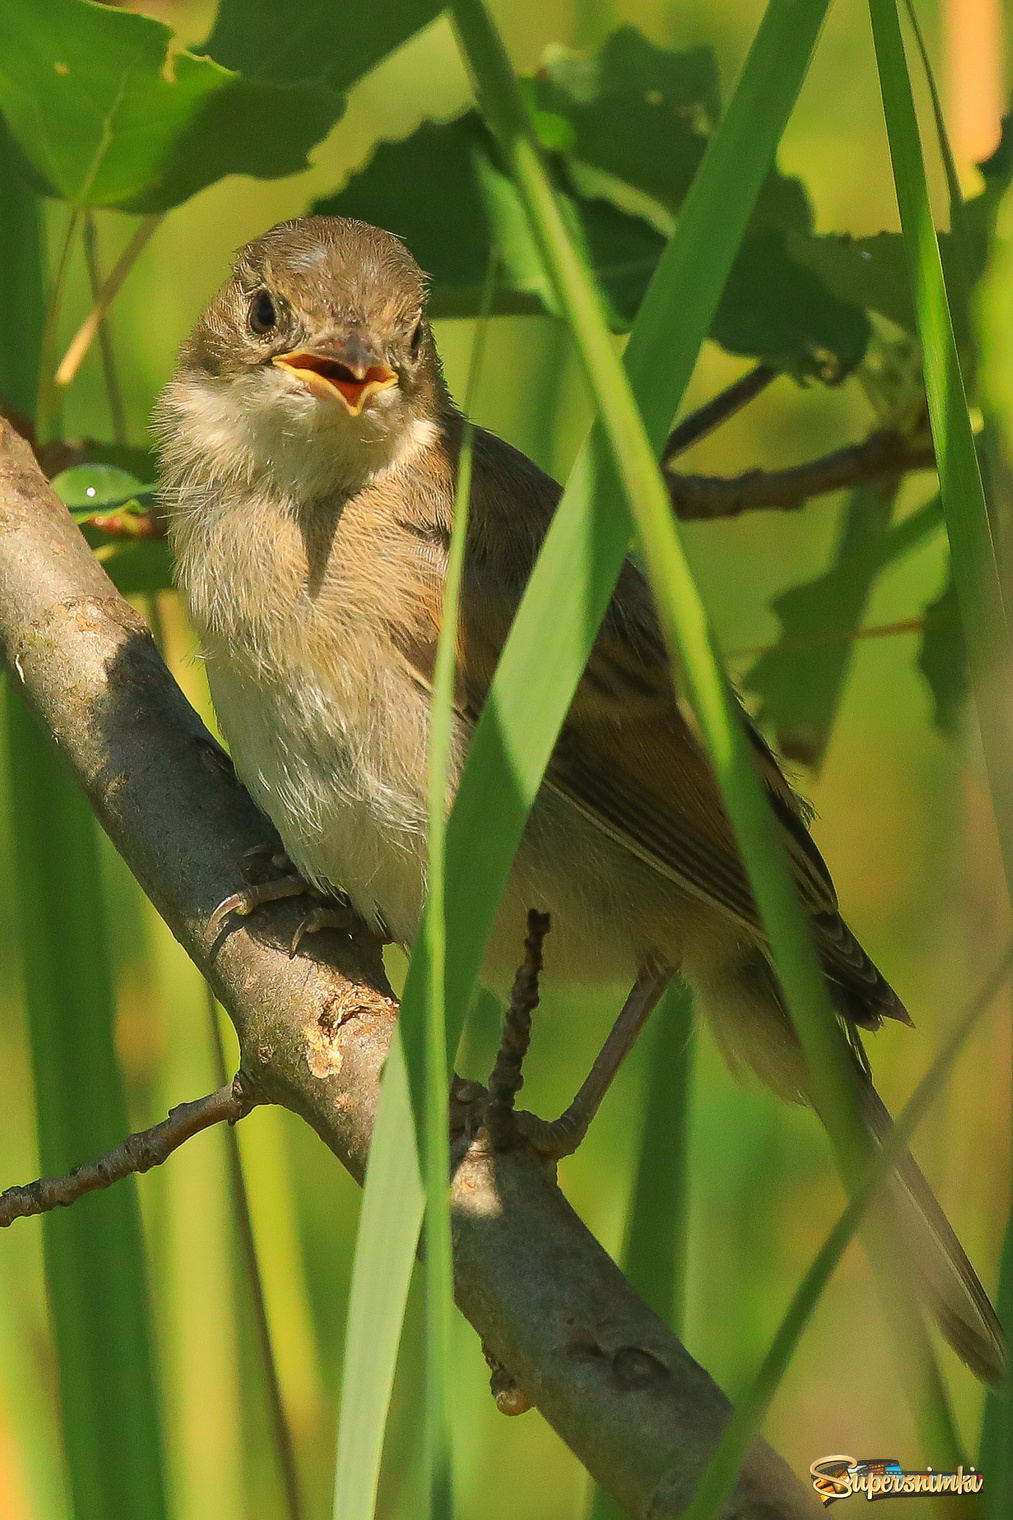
(114, 393)
(718, 410)
(137, 1153)
(881, 456)
(802, 642)
(85, 335)
(507, 1075)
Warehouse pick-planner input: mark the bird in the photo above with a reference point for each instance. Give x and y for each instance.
(309, 450)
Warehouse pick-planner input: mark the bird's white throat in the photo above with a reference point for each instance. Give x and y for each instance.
(263, 429)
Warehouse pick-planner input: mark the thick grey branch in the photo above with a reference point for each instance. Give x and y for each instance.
(137, 1153)
(545, 1298)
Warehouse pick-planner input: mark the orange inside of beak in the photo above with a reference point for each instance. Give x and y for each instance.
(327, 377)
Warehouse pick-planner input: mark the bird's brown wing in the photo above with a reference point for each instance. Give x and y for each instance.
(629, 756)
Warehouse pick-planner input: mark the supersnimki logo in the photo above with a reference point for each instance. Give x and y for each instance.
(883, 1478)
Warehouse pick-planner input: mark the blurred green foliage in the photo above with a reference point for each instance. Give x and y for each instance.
(903, 814)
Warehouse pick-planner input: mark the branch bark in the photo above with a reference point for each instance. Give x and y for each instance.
(545, 1298)
(137, 1153)
(881, 456)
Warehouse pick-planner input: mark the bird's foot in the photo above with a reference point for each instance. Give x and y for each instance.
(326, 912)
(332, 913)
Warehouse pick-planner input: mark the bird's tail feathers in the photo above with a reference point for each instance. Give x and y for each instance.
(948, 1283)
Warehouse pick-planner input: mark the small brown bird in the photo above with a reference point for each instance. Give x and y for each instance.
(309, 454)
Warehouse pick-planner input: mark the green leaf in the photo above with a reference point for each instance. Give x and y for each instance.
(332, 42)
(942, 660)
(642, 114)
(636, 114)
(108, 114)
(483, 211)
(873, 271)
(801, 680)
(96, 485)
(637, 111)
(775, 309)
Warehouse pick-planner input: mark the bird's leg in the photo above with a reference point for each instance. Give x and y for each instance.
(560, 1137)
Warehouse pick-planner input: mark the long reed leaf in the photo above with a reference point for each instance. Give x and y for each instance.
(972, 551)
(432, 984)
(573, 579)
(94, 1256)
(392, 1207)
(995, 339)
(684, 625)
(421, 1048)
(94, 1253)
(654, 1250)
(656, 1238)
(722, 1470)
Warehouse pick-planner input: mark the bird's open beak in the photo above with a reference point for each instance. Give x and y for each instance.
(341, 373)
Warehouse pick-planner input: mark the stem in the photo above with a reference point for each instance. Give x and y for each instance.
(85, 335)
(48, 401)
(114, 392)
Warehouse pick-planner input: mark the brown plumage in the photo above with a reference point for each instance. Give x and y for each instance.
(309, 451)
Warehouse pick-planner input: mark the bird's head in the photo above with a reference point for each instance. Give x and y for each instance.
(313, 364)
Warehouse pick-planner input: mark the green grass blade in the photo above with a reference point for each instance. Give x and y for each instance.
(972, 551)
(389, 1225)
(995, 333)
(95, 1267)
(431, 982)
(94, 1254)
(591, 533)
(722, 1470)
(684, 625)
(681, 611)
(654, 1250)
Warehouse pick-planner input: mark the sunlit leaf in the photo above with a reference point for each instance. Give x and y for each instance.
(108, 114)
(639, 116)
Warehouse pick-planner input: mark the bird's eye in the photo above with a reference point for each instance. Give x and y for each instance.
(417, 337)
(263, 312)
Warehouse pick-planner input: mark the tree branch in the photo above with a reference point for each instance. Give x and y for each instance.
(882, 456)
(717, 411)
(137, 1153)
(545, 1298)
